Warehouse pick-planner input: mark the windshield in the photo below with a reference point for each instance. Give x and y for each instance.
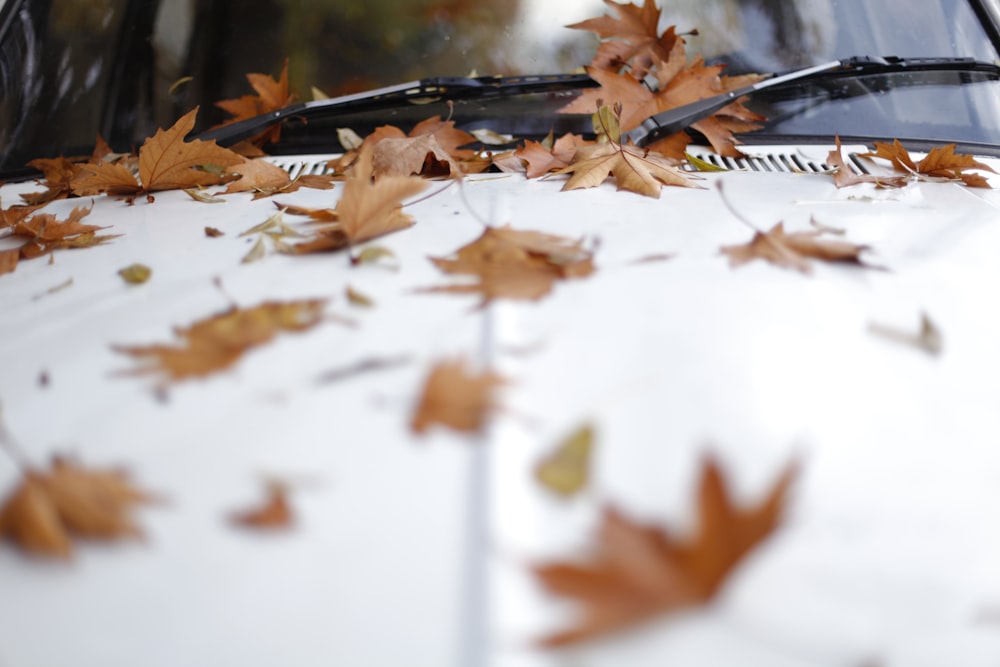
(71, 69)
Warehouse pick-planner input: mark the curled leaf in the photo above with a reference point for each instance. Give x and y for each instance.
(135, 274)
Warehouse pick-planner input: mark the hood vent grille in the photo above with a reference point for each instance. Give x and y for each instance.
(778, 162)
(302, 165)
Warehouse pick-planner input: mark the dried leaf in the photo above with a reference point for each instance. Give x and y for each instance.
(542, 160)
(634, 170)
(374, 254)
(49, 507)
(636, 38)
(135, 274)
(274, 513)
(8, 260)
(941, 162)
(409, 156)
(641, 572)
(166, 162)
(515, 264)
(792, 251)
(213, 232)
(928, 339)
(272, 94)
(356, 298)
(844, 176)
(368, 208)
(216, 343)
(258, 176)
(349, 139)
(566, 470)
(258, 251)
(203, 196)
(455, 397)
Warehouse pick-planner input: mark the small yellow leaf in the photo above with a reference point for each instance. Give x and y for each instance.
(702, 165)
(256, 252)
(356, 298)
(349, 139)
(203, 196)
(178, 83)
(135, 274)
(372, 255)
(274, 221)
(565, 471)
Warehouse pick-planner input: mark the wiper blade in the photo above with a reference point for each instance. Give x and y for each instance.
(413, 92)
(673, 120)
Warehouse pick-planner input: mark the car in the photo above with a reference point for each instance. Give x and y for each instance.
(711, 382)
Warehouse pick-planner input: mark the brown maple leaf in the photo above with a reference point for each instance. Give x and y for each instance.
(368, 207)
(265, 179)
(633, 38)
(455, 397)
(166, 162)
(274, 512)
(940, 162)
(515, 264)
(542, 159)
(44, 233)
(634, 169)
(216, 343)
(409, 156)
(57, 175)
(641, 572)
(49, 507)
(844, 176)
(679, 83)
(793, 250)
(272, 94)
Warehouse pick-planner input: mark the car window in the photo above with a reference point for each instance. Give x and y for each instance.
(73, 69)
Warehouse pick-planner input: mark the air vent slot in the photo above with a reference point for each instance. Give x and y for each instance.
(778, 162)
(303, 165)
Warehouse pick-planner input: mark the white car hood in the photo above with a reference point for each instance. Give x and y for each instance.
(416, 550)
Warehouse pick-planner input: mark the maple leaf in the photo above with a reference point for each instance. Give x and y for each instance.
(635, 38)
(940, 162)
(413, 155)
(49, 507)
(265, 179)
(515, 264)
(274, 512)
(166, 162)
(57, 173)
(642, 572)
(430, 149)
(455, 397)
(635, 169)
(792, 250)
(272, 94)
(44, 233)
(368, 207)
(541, 160)
(216, 343)
(679, 83)
(844, 176)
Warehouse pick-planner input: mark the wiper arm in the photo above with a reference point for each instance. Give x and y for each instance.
(674, 120)
(413, 92)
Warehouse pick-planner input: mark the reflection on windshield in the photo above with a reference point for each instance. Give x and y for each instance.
(111, 66)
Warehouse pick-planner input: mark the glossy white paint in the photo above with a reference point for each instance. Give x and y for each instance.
(415, 550)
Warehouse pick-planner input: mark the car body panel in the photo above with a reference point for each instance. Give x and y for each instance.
(417, 550)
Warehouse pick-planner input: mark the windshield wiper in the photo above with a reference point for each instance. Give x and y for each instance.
(673, 120)
(413, 92)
